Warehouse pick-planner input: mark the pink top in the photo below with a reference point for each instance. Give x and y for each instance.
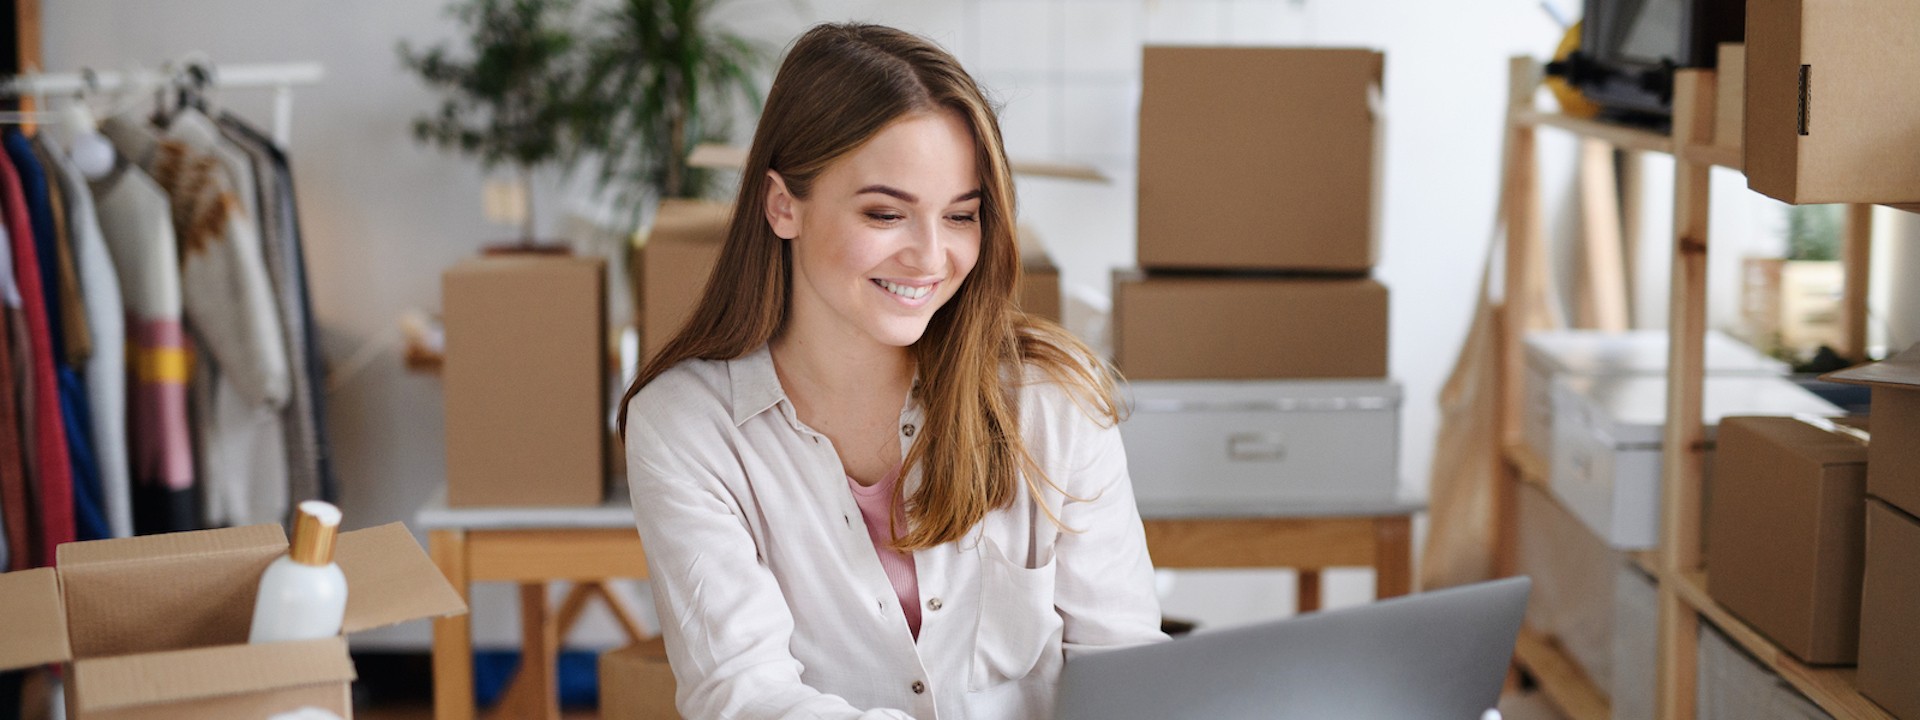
(874, 502)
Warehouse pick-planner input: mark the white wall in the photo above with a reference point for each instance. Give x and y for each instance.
(385, 216)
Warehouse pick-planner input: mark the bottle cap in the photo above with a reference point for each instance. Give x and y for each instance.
(315, 525)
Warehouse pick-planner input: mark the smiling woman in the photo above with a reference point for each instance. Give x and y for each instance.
(857, 353)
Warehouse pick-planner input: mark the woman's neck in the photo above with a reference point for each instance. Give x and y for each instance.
(822, 374)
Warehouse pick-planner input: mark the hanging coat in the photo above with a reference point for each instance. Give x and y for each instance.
(136, 220)
(105, 371)
(51, 474)
(309, 475)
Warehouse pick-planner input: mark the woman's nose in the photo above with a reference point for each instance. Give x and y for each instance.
(926, 247)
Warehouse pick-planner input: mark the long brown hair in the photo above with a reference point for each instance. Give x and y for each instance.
(839, 86)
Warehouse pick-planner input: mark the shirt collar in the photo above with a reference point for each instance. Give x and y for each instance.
(755, 386)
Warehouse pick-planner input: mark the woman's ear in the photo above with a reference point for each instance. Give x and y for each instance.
(783, 213)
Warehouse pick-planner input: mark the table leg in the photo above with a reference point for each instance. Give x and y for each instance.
(1393, 556)
(1309, 591)
(539, 651)
(452, 636)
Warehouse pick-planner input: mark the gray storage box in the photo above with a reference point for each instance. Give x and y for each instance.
(1636, 644)
(1733, 686)
(1591, 353)
(1260, 446)
(1607, 435)
(1574, 576)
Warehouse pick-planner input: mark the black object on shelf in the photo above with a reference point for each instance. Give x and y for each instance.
(1629, 50)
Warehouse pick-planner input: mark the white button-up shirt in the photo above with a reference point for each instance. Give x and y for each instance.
(771, 595)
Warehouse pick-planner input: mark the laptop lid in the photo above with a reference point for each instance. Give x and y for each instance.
(1440, 654)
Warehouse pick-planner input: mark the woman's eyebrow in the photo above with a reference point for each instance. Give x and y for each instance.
(910, 197)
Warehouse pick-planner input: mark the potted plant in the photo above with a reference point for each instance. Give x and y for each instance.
(658, 80)
(516, 101)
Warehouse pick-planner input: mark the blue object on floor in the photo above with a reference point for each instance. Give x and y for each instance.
(579, 677)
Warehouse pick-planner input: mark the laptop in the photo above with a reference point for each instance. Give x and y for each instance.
(1440, 655)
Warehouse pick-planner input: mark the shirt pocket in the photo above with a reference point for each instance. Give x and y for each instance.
(1018, 623)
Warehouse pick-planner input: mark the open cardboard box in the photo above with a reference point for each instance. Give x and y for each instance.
(156, 626)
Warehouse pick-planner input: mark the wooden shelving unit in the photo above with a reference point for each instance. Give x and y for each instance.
(1677, 566)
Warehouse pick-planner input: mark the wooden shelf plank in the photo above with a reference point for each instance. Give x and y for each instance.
(1829, 687)
(1625, 137)
(1560, 680)
(1715, 155)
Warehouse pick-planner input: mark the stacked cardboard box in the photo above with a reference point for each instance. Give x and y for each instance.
(1253, 320)
(1786, 532)
(1889, 628)
(1832, 90)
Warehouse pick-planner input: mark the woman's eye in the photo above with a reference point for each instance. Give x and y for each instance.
(964, 218)
(883, 217)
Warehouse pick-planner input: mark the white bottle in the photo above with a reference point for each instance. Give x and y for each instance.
(303, 595)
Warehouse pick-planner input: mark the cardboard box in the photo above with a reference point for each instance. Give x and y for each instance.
(525, 381)
(1729, 95)
(1592, 353)
(1833, 101)
(1889, 627)
(1573, 574)
(1731, 685)
(636, 683)
(1039, 290)
(678, 256)
(1260, 158)
(1893, 463)
(1785, 530)
(156, 626)
(1248, 328)
(1198, 448)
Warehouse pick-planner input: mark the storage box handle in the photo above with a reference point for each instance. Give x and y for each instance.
(1256, 447)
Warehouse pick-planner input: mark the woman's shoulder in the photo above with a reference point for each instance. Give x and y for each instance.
(681, 397)
(1066, 400)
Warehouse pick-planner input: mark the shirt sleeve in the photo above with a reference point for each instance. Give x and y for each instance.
(726, 625)
(1104, 586)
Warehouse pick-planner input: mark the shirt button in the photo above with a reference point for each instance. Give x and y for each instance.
(908, 429)
(935, 604)
(919, 688)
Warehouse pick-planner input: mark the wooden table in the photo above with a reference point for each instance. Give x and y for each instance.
(589, 546)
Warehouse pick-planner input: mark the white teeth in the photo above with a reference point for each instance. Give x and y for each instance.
(911, 293)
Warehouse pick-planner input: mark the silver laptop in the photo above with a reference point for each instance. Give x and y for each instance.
(1440, 655)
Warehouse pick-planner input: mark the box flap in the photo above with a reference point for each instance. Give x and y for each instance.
(196, 589)
(390, 580)
(1902, 371)
(104, 684)
(36, 622)
(148, 547)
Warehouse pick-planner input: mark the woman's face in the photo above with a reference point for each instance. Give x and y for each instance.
(886, 236)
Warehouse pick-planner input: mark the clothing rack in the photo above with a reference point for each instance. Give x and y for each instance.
(281, 78)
